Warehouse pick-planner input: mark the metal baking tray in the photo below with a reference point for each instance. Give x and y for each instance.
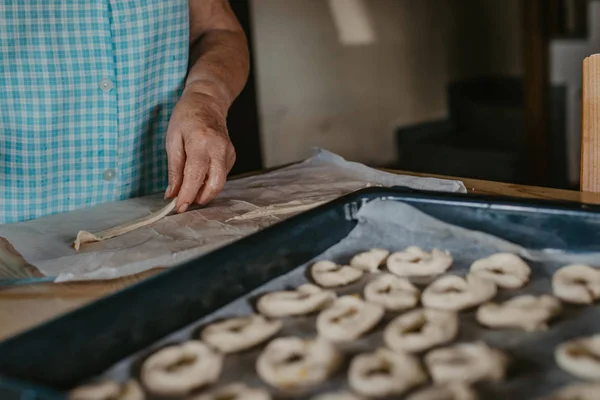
(44, 362)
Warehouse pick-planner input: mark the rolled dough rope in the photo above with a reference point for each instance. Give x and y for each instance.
(337, 396)
(527, 312)
(384, 373)
(577, 391)
(419, 330)
(415, 262)
(580, 357)
(392, 292)
(466, 363)
(84, 237)
(348, 318)
(369, 261)
(579, 284)
(450, 391)
(329, 274)
(455, 293)
(108, 390)
(177, 370)
(237, 334)
(233, 391)
(294, 364)
(507, 270)
(286, 303)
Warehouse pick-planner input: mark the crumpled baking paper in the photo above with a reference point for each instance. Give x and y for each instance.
(245, 206)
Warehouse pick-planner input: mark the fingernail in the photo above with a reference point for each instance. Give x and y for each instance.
(168, 192)
(183, 207)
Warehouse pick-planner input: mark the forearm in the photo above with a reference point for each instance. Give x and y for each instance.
(220, 63)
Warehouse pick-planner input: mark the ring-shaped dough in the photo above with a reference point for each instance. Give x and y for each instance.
(293, 363)
(419, 330)
(455, 293)
(241, 333)
(178, 369)
(507, 270)
(108, 390)
(234, 391)
(348, 318)
(392, 292)
(449, 391)
(579, 284)
(337, 396)
(328, 274)
(370, 261)
(413, 261)
(384, 373)
(305, 299)
(526, 312)
(466, 363)
(577, 391)
(580, 357)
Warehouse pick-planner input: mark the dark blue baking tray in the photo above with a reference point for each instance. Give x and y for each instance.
(53, 357)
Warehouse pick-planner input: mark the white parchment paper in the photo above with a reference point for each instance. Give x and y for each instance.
(395, 226)
(244, 207)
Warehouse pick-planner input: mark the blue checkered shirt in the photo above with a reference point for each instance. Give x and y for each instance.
(86, 91)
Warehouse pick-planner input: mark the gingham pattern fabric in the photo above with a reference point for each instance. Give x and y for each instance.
(87, 88)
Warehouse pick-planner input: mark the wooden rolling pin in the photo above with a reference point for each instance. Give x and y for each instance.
(590, 125)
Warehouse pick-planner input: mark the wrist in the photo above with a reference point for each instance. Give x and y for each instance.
(214, 93)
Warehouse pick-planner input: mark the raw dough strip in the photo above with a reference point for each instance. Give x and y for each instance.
(419, 330)
(287, 303)
(233, 391)
(177, 370)
(455, 293)
(348, 318)
(84, 237)
(466, 363)
(413, 261)
(241, 333)
(392, 292)
(578, 284)
(328, 274)
(507, 270)
(580, 357)
(450, 391)
(527, 312)
(577, 391)
(108, 390)
(294, 364)
(384, 373)
(370, 261)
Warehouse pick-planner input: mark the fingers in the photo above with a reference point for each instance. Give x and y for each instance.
(176, 161)
(217, 174)
(196, 167)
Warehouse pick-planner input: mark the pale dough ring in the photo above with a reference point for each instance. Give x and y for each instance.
(384, 373)
(294, 364)
(348, 318)
(108, 390)
(577, 391)
(413, 261)
(305, 299)
(329, 274)
(578, 284)
(450, 391)
(233, 391)
(507, 270)
(419, 330)
(392, 292)
(466, 363)
(176, 370)
(370, 261)
(84, 237)
(337, 396)
(527, 312)
(455, 293)
(580, 357)
(241, 333)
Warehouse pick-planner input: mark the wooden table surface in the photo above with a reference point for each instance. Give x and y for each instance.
(22, 307)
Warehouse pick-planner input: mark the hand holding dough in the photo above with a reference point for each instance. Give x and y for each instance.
(84, 237)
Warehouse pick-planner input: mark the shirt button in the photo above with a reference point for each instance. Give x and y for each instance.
(106, 85)
(109, 174)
